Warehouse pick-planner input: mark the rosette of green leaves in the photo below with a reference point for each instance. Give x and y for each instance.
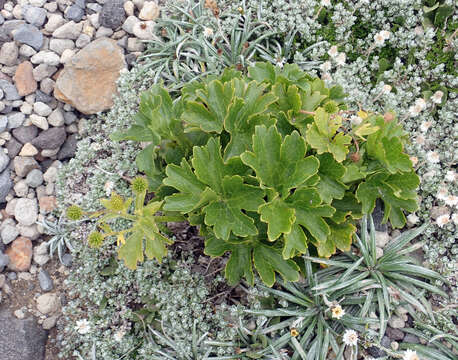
(262, 163)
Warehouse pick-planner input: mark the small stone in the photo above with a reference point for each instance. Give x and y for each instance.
(40, 254)
(26, 211)
(67, 260)
(25, 276)
(50, 139)
(47, 87)
(394, 334)
(39, 121)
(26, 51)
(83, 40)
(9, 90)
(28, 150)
(47, 204)
(144, 30)
(74, 13)
(50, 176)
(9, 53)
(396, 323)
(21, 188)
(54, 22)
(134, 44)
(70, 30)
(150, 11)
(88, 81)
(59, 45)
(67, 55)
(129, 8)
(42, 109)
(56, 118)
(38, 3)
(25, 134)
(381, 238)
(4, 160)
(128, 25)
(3, 122)
(30, 232)
(43, 71)
(48, 303)
(378, 253)
(4, 261)
(35, 16)
(20, 254)
(12, 276)
(15, 120)
(2, 280)
(29, 35)
(34, 178)
(5, 184)
(46, 57)
(46, 283)
(394, 345)
(68, 149)
(112, 14)
(409, 338)
(23, 79)
(103, 31)
(50, 322)
(40, 96)
(9, 233)
(19, 314)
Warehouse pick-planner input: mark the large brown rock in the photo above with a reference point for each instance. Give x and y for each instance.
(88, 81)
(24, 80)
(20, 254)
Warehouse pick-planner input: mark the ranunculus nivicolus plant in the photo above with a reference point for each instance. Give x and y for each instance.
(268, 165)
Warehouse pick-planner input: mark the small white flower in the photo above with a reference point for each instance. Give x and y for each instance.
(333, 51)
(414, 110)
(425, 125)
(455, 218)
(355, 120)
(443, 220)
(326, 76)
(83, 326)
(350, 337)
(379, 39)
(451, 176)
(420, 103)
(208, 32)
(410, 355)
(414, 160)
(442, 193)
(108, 187)
(118, 335)
(326, 66)
(418, 30)
(420, 140)
(326, 3)
(386, 88)
(337, 312)
(433, 157)
(412, 219)
(281, 62)
(385, 34)
(451, 200)
(340, 59)
(437, 97)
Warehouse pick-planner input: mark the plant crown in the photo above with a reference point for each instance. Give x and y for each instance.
(266, 164)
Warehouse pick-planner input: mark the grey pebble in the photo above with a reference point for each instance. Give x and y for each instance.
(4, 160)
(25, 134)
(15, 120)
(9, 233)
(5, 184)
(9, 90)
(42, 97)
(50, 139)
(35, 15)
(46, 283)
(67, 260)
(69, 117)
(12, 275)
(68, 149)
(74, 13)
(14, 147)
(4, 261)
(29, 35)
(34, 178)
(3, 123)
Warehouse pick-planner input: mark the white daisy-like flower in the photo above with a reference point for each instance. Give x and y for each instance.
(451, 176)
(386, 88)
(108, 187)
(350, 337)
(433, 157)
(326, 3)
(425, 125)
(451, 200)
(414, 110)
(414, 160)
(341, 58)
(455, 218)
(208, 32)
(326, 66)
(437, 97)
(410, 355)
(337, 312)
(118, 335)
(412, 219)
(443, 220)
(281, 62)
(420, 140)
(442, 193)
(355, 120)
(418, 30)
(386, 34)
(326, 76)
(83, 326)
(379, 39)
(421, 103)
(333, 52)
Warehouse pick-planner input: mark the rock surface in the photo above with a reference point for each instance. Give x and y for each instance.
(20, 254)
(23, 79)
(21, 339)
(88, 81)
